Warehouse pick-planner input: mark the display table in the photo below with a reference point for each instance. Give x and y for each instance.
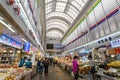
(28, 75)
(34, 70)
(105, 77)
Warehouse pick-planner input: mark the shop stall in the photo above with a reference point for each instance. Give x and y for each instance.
(109, 62)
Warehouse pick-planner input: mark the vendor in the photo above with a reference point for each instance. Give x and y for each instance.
(22, 61)
(28, 64)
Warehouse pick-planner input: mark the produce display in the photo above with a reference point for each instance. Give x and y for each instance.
(11, 77)
(114, 64)
(112, 74)
(8, 72)
(84, 69)
(3, 75)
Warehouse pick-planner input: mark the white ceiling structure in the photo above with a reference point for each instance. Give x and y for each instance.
(60, 14)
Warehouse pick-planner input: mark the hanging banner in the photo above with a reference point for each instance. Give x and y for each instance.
(26, 47)
(9, 41)
(115, 43)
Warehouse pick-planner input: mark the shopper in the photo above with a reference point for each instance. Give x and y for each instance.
(92, 69)
(51, 61)
(54, 63)
(75, 67)
(22, 61)
(28, 64)
(46, 65)
(40, 66)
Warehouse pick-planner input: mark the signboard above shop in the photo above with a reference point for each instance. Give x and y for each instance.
(9, 41)
(115, 43)
(57, 46)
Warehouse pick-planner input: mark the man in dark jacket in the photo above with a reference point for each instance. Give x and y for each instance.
(46, 65)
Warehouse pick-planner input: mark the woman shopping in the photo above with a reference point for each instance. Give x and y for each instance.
(75, 68)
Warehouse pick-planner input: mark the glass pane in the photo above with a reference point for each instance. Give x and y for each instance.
(63, 0)
(60, 6)
(106, 27)
(101, 30)
(48, 5)
(56, 26)
(61, 15)
(57, 21)
(72, 8)
(85, 1)
(76, 5)
(96, 32)
(113, 27)
(46, 1)
(117, 19)
(54, 32)
(93, 34)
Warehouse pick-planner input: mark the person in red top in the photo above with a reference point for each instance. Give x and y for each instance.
(75, 67)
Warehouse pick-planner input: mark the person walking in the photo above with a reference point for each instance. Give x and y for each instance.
(46, 65)
(75, 68)
(92, 69)
(54, 63)
(40, 66)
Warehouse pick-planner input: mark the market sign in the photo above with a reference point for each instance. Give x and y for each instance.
(26, 47)
(9, 41)
(115, 43)
(57, 46)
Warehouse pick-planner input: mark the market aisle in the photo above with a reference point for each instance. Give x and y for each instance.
(55, 73)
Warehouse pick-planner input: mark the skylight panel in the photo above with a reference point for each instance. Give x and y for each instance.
(46, 1)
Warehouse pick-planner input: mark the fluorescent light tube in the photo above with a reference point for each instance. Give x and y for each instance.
(24, 40)
(1, 18)
(10, 28)
(7, 25)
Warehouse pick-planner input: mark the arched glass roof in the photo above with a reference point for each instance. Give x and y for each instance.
(60, 14)
(54, 32)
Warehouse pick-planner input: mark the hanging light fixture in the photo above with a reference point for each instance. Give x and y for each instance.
(11, 51)
(4, 50)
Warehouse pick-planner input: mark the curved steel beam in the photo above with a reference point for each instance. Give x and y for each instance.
(55, 28)
(61, 12)
(63, 2)
(59, 17)
(56, 31)
(58, 36)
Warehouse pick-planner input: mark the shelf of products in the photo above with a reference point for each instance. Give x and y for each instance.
(9, 72)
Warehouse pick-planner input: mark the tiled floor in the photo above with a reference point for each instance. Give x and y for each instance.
(55, 73)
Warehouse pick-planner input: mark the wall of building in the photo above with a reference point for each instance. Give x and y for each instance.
(101, 21)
